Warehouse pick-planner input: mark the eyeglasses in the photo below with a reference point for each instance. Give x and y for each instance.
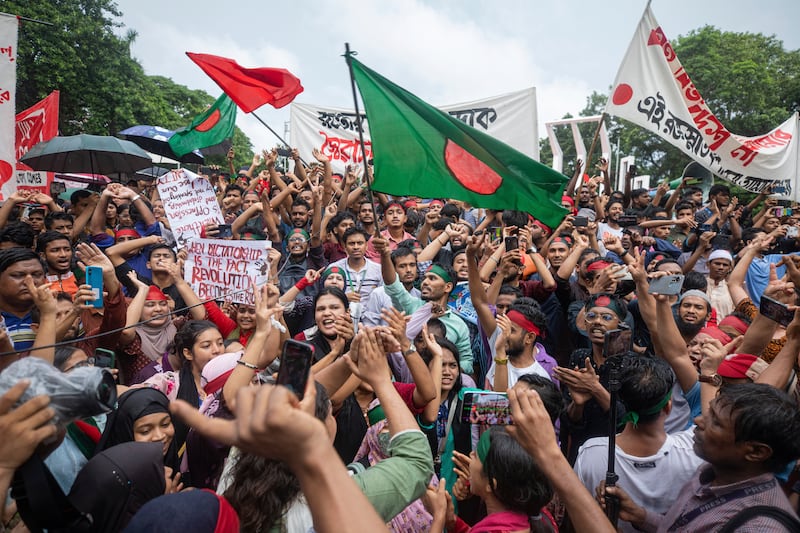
(605, 317)
(297, 239)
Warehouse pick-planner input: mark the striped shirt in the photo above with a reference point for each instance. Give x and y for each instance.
(699, 493)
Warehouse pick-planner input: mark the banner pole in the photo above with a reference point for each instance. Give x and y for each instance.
(591, 146)
(276, 134)
(348, 56)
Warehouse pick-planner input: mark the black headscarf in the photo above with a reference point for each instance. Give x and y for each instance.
(199, 511)
(115, 484)
(131, 406)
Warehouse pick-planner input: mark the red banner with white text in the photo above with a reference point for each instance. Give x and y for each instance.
(36, 124)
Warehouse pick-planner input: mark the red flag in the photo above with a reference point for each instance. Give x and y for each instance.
(36, 124)
(250, 88)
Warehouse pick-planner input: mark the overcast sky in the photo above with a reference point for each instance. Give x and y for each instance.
(445, 52)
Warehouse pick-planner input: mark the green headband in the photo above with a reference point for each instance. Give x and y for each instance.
(375, 415)
(442, 273)
(633, 416)
(484, 443)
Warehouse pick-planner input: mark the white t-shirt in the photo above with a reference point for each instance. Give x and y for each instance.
(652, 482)
(514, 373)
(602, 229)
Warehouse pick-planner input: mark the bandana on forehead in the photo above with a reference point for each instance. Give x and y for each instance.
(297, 231)
(563, 240)
(127, 233)
(439, 271)
(154, 293)
(394, 204)
(519, 319)
(609, 302)
(598, 265)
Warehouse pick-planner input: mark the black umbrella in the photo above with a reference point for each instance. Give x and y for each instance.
(93, 154)
(152, 172)
(155, 139)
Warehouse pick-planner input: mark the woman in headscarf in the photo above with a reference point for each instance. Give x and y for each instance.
(115, 484)
(149, 329)
(142, 415)
(199, 511)
(334, 330)
(299, 306)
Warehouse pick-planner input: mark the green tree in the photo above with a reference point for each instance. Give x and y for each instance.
(103, 90)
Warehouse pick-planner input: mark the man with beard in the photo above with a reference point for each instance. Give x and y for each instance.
(613, 211)
(55, 250)
(366, 217)
(720, 263)
(516, 345)
(691, 312)
(435, 290)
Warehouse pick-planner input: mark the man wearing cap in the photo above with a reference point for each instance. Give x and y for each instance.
(720, 263)
(645, 454)
(691, 313)
(395, 217)
(435, 290)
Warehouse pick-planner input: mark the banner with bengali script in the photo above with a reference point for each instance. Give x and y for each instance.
(36, 124)
(8, 89)
(654, 91)
(189, 203)
(226, 270)
(510, 118)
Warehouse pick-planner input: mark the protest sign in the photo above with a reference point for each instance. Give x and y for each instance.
(189, 203)
(654, 91)
(510, 118)
(8, 88)
(36, 124)
(226, 270)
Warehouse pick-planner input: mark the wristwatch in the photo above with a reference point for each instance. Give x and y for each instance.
(410, 350)
(713, 379)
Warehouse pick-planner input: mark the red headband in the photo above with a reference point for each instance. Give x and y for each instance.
(597, 265)
(154, 293)
(519, 319)
(127, 233)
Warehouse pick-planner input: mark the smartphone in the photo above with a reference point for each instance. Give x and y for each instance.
(104, 358)
(580, 222)
(57, 187)
(617, 342)
(284, 152)
(512, 243)
(295, 368)
(776, 311)
(94, 277)
(792, 231)
(225, 231)
(626, 221)
(486, 407)
(498, 233)
(704, 227)
(667, 285)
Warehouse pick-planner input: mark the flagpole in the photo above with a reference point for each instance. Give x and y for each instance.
(275, 134)
(591, 146)
(347, 55)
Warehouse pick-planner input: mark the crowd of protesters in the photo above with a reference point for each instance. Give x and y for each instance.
(414, 308)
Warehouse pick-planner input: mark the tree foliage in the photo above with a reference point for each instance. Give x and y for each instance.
(747, 79)
(103, 89)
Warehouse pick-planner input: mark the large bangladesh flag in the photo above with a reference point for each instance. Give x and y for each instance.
(421, 151)
(209, 128)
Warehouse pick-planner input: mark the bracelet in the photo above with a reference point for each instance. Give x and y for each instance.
(302, 284)
(495, 260)
(248, 365)
(624, 253)
(136, 198)
(501, 362)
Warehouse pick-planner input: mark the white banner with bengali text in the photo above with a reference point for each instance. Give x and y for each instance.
(654, 91)
(510, 118)
(8, 88)
(189, 203)
(226, 270)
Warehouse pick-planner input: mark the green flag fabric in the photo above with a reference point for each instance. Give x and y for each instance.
(207, 129)
(422, 151)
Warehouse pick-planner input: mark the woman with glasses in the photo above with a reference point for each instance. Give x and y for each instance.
(584, 381)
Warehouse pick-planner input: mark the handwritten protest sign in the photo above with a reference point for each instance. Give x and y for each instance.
(223, 270)
(189, 203)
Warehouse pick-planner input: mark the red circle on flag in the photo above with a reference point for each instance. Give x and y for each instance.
(469, 171)
(6, 171)
(622, 94)
(210, 122)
